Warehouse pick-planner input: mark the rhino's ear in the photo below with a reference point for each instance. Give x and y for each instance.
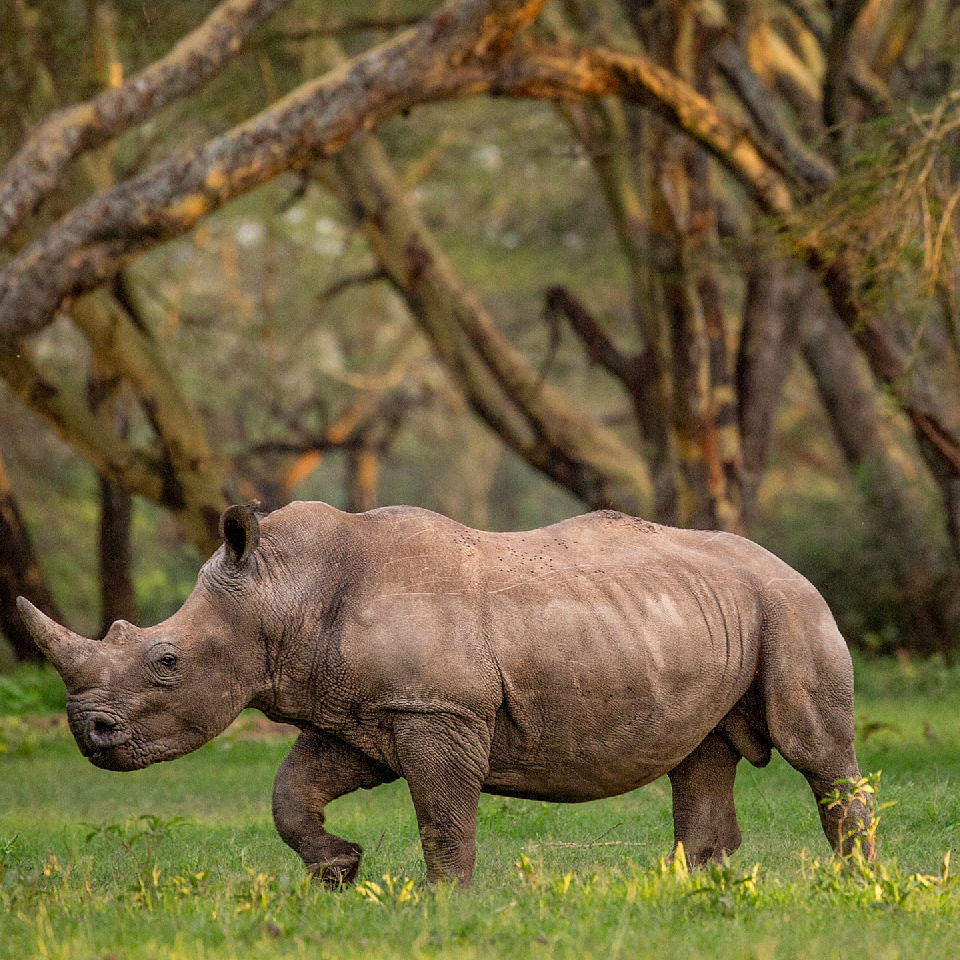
(240, 530)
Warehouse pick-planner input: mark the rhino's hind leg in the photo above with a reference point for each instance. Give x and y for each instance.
(809, 707)
(844, 809)
(704, 818)
(319, 769)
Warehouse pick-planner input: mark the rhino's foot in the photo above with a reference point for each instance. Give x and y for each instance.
(699, 856)
(847, 821)
(339, 866)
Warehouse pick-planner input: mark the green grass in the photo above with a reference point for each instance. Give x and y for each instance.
(81, 878)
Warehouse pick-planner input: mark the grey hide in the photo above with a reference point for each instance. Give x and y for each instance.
(578, 661)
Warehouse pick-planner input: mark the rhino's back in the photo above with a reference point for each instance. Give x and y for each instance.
(621, 644)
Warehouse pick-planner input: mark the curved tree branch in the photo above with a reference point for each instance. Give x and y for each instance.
(184, 477)
(71, 417)
(803, 13)
(38, 165)
(807, 166)
(435, 61)
(560, 302)
(843, 18)
(125, 348)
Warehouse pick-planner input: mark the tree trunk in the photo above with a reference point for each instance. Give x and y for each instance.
(768, 341)
(929, 623)
(20, 575)
(117, 600)
(110, 404)
(683, 225)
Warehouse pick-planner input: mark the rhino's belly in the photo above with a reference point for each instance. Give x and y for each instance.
(574, 755)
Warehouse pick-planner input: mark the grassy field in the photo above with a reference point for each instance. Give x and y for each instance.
(82, 877)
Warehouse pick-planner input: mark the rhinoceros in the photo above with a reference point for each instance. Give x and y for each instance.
(569, 663)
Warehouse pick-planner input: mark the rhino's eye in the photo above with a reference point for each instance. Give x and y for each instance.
(164, 667)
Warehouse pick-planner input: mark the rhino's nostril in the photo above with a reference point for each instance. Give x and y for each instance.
(104, 731)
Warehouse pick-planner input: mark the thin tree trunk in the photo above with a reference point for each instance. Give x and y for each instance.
(768, 342)
(117, 599)
(110, 405)
(363, 473)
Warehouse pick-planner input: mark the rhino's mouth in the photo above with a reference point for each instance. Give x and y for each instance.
(130, 755)
(107, 739)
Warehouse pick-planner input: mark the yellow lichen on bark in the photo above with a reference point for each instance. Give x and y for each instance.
(190, 209)
(215, 179)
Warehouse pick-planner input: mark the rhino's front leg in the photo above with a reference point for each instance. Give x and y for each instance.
(445, 760)
(319, 769)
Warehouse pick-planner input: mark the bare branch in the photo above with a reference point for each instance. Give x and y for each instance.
(71, 417)
(560, 72)
(870, 89)
(532, 416)
(803, 13)
(561, 302)
(351, 280)
(88, 244)
(433, 62)
(37, 167)
(843, 18)
(123, 345)
(803, 163)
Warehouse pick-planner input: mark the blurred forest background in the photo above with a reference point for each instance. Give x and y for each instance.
(510, 261)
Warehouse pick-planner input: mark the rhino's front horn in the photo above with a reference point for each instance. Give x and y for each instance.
(66, 650)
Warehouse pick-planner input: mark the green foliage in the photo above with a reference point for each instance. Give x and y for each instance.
(906, 678)
(32, 690)
(17, 737)
(139, 837)
(855, 881)
(391, 893)
(719, 884)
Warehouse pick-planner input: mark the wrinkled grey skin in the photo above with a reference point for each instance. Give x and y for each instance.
(569, 663)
